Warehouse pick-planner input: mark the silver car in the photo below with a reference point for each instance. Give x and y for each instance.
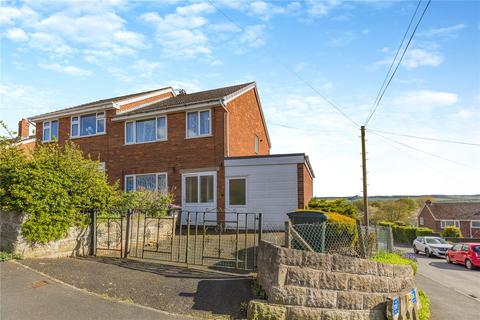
(431, 246)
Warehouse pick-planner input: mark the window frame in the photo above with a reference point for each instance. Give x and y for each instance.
(421, 221)
(472, 226)
(50, 128)
(228, 192)
(256, 144)
(199, 191)
(134, 130)
(134, 175)
(443, 223)
(99, 115)
(209, 134)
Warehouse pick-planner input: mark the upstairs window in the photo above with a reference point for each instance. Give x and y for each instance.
(256, 144)
(199, 124)
(148, 130)
(50, 130)
(421, 221)
(88, 124)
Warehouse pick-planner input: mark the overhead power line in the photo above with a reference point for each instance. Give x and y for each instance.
(426, 138)
(396, 55)
(425, 152)
(427, 164)
(305, 82)
(377, 103)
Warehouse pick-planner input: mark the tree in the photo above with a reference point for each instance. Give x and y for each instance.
(52, 187)
(341, 206)
(399, 211)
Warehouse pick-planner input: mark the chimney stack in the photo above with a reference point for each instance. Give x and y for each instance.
(23, 129)
(428, 202)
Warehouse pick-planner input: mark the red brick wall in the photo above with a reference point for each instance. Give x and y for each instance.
(23, 128)
(429, 221)
(475, 233)
(304, 185)
(245, 121)
(465, 228)
(169, 156)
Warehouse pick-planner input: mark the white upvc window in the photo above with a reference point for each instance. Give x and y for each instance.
(146, 130)
(199, 123)
(200, 188)
(475, 224)
(421, 221)
(87, 125)
(50, 130)
(256, 144)
(149, 181)
(449, 223)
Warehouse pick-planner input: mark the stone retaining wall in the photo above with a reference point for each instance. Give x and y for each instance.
(77, 242)
(307, 285)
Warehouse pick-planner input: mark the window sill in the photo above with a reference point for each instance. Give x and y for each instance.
(90, 135)
(202, 136)
(135, 143)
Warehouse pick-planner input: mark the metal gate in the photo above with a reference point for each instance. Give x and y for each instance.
(216, 239)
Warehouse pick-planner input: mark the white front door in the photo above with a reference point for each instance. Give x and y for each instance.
(199, 194)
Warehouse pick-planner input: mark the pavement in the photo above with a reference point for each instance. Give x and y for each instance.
(25, 295)
(454, 291)
(172, 288)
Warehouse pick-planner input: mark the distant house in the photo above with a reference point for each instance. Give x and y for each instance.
(24, 141)
(210, 148)
(465, 215)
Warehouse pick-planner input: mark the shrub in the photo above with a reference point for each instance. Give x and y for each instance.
(340, 206)
(404, 234)
(394, 258)
(424, 313)
(336, 217)
(6, 256)
(452, 232)
(155, 204)
(421, 232)
(386, 223)
(52, 186)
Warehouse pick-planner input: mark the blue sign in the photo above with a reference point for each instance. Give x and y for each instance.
(395, 306)
(414, 296)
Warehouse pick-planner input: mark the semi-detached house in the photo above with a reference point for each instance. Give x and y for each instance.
(210, 148)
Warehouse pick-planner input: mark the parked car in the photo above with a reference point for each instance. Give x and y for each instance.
(467, 254)
(431, 246)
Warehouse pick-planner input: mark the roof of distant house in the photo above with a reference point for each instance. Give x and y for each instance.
(99, 102)
(455, 210)
(192, 98)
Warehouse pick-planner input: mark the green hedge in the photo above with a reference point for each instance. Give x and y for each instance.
(406, 234)
(452, 232)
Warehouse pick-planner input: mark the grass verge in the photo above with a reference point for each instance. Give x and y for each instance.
(425, 306)
(6, 256)
(394, 258)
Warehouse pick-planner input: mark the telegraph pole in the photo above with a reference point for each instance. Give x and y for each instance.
(364, 172)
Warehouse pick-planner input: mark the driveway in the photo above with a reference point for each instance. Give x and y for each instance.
(454, 291)
(25, 295)
(198, 292)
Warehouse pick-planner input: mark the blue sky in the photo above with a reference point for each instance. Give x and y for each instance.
(57, 54)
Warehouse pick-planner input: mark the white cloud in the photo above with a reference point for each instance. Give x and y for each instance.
(264, 10)
(414, 58)
(71, 70)
(8, 15)
(426, 99)
(420, 57)
(253, 36)
(319, 8)
(16, 35)
(448, 32)
(50, 43)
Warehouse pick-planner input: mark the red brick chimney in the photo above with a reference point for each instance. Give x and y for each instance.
(23, 129)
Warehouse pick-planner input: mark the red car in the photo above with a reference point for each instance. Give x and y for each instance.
(467, 254)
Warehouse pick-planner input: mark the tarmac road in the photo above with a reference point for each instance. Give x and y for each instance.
(25, 295)
(454, 291)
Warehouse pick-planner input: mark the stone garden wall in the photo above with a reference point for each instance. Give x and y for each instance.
(307, 285)
(77, 242)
